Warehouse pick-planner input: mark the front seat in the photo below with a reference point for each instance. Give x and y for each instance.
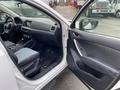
(28, 61)
(14, 47)
(8, 43)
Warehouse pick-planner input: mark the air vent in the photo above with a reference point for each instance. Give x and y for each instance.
(52, 28)
(28, 23)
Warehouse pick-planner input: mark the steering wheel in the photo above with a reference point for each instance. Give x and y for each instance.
(9, 25)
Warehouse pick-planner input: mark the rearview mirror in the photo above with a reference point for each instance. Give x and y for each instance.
(88, 24)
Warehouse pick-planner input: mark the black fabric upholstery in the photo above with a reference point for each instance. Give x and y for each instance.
(8, 43)
(14, 47)
(26, 56)
(26, 59)
(10, 52)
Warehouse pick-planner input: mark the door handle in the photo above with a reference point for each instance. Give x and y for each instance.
(75, 35)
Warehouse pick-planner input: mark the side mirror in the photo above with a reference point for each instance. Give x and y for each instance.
(88, 24)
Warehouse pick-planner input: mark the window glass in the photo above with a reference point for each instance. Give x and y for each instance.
(101, 17)
(22, 9)
(27, 11)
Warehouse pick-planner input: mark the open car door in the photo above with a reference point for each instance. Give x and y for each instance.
(94, 57)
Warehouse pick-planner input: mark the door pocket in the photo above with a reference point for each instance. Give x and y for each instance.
(90, 71)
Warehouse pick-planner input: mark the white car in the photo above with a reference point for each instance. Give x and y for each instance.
(37, 47)
(116, 7)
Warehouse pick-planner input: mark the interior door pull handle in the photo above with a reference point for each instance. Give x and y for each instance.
(76, 35)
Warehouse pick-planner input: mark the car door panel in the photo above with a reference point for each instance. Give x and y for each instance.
(94, 58)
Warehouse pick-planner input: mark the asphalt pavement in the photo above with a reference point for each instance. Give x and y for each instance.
(67, 11)
(66, 81)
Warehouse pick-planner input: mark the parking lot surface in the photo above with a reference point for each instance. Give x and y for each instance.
(67, 11)
(66, 81)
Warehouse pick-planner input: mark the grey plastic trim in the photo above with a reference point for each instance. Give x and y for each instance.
(108, 41)
(77, 48)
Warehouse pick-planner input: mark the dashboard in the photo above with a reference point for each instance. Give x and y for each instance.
(44, 32)
(47, 33)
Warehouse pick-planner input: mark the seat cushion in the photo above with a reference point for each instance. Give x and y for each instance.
(26, 56)
(14, 47)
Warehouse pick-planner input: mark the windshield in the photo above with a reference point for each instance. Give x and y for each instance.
(21, 9)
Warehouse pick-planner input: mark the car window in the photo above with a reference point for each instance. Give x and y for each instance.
(27, 11)
(101, 17)
(22, 9)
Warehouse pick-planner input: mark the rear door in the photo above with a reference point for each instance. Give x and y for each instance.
(94, 49)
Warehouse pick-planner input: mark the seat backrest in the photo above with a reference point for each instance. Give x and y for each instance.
(13, 56)
(10, 52)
